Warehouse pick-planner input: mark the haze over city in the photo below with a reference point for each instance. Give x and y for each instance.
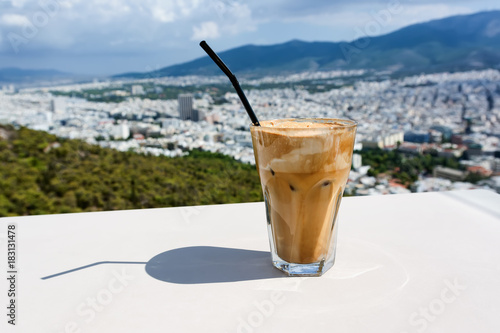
(96, 38)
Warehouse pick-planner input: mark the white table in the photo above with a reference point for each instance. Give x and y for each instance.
(405, 263)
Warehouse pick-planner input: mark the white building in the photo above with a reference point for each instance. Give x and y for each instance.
(137, 89)
(58, 106)
(9, 89)
(383, 140)
(120, 131)
(356, 161)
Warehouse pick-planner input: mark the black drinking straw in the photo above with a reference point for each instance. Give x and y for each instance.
(233, 80)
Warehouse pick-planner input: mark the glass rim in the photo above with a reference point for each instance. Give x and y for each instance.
(336, 123)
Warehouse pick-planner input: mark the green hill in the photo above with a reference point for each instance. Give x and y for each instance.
(43, 174)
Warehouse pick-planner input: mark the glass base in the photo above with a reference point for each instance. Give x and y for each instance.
(312, 269)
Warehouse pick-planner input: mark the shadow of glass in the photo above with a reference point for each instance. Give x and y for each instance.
(207, 264)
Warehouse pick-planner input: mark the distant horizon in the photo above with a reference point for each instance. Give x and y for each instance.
(82, 51)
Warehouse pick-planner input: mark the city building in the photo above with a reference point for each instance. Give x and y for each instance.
(383, 140)
(212, 118)
(448, 173)
(58, 106)
(495, 166)
(186, 111)
(450, 150)
(356, 161)
(9, 89)
(120, 131)
(417, 137)
(445, 131)
(384, 109)
(185, 106)
(411, 148)
(137, 90)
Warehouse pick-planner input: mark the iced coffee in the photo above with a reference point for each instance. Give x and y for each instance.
(303, 166)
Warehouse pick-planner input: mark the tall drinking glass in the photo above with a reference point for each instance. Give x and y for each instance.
(303, 166)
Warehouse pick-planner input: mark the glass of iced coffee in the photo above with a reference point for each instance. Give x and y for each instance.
(303, 166)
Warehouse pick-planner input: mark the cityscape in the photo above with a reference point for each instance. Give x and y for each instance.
(449, 115)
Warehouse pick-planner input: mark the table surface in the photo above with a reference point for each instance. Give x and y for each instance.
(406, 263)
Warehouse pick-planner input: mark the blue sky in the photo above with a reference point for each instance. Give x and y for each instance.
(99, 37)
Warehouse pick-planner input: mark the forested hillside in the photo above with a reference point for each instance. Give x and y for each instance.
(42, 174)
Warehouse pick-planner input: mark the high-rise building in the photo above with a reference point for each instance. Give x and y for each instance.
(356, 161)
(199, 115)
(58, 106)
(186, 107)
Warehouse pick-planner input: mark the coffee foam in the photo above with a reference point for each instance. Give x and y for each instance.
(296, 124)
(304, 151)
(309, 128)
(308, 157)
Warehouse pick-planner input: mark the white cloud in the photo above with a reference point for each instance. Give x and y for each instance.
(163, 15)
(420, 13)
(187, 8)
(14, 20)
(238, 19)
(361, 19)
(359, 14)
(142, 28)
(17, 3)
(206, 30)
(171, 11)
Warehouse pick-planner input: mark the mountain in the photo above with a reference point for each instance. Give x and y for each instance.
(454, 43)
(26, 76)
